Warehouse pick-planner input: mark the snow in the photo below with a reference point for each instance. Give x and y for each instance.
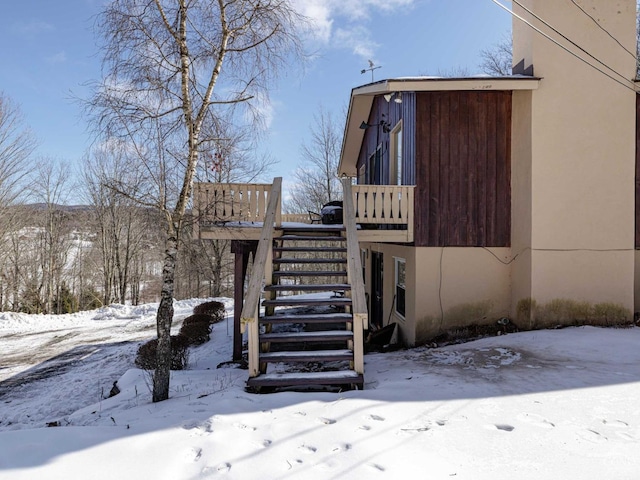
(552, 404)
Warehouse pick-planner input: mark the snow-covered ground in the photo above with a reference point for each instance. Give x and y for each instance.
(555, 404)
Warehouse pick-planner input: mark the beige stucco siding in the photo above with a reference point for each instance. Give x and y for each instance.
(446, 288)
(581, 161)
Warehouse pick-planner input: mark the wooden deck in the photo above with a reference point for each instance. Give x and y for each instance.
(383, 213)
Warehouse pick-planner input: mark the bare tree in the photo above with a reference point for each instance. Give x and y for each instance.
(163, 62)
(498, 59)
(16, 146)
(316, 181)
(50, 188)
(121, 224)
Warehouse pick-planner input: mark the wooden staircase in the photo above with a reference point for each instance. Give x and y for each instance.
(307, 340)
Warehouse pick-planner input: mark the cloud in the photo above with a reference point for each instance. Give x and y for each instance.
(344, 23)
(59, 57)
(358, 39)
(32, 27)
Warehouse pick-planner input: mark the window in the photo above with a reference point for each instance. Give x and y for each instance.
(400, 285)
(374, 175)
(396, 155)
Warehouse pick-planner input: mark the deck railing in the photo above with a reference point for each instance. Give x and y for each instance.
(383, 204)
(385, 212)
(218, 203)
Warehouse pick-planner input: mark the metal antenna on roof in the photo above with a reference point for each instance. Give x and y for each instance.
(371, 68)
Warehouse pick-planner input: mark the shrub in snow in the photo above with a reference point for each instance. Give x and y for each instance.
(213, 309)
(146, 358)
(197, 328)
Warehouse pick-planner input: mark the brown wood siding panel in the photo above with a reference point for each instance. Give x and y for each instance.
(472, 174)
(453, 205)
(480, 164)
(433, 170)
(444, 163)
(464, 180)
(503, 193)
(491, 173)
(463, 169)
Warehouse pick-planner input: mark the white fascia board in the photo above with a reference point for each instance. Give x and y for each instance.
(436, 84)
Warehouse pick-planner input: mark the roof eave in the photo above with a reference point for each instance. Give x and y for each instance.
(362, 99)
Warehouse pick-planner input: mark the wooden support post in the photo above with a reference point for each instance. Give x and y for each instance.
(242, 250)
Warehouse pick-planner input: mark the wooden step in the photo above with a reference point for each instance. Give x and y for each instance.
(309, 260)
(309, 238)
(315, 229)
(318, 318)
(307, 356)
(322, 336)
(310, 249)
(342, 377)
(303, 302)
(324, 287)
(309, 273)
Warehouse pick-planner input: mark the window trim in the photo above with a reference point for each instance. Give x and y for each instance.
(395, 176)
(397, 261)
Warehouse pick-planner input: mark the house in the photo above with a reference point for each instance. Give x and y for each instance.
(524, 185)
(476, 200)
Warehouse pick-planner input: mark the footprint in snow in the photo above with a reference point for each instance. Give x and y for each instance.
(263, 443)
(326, 421)
(242, 426)
(377, 418)
(376, 467)
(198, 428)
(342, 447)
(615, 423)
(592, 436)
(220, 469)
(536, 420)
(501, 426)
(193, 454)
(307, 449)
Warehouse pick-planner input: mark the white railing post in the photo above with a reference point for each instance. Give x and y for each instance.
(251, 307)
(354, 275)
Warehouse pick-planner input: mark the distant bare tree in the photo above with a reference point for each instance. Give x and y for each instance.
(16, 146)
(17, 143)
(497, 60)
(121, 224)
(316, 180)
(50, 189)
(163, 62)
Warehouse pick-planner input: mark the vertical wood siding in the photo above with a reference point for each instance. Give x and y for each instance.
(393, 113)
(463, 169)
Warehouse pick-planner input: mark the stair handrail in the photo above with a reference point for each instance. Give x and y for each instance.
(261, 262)
(354, 275)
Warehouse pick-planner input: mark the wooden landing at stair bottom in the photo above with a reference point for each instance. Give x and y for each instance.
(344, 377)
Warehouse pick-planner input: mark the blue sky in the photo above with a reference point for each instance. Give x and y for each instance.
(48, 52)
